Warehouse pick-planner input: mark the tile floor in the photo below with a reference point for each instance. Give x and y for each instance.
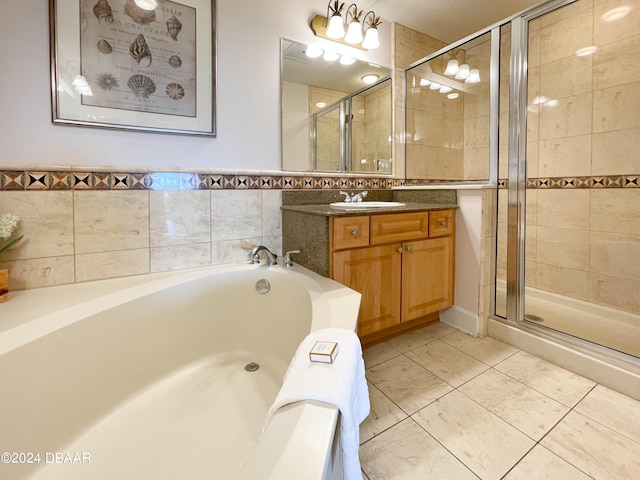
(445, 405)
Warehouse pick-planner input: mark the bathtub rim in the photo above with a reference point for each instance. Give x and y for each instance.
(31, 314)
(333, 305)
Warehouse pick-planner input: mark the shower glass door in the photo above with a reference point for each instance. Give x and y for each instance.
(568, 256)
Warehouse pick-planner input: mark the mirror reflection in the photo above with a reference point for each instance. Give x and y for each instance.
(447, 115)
(332, 119)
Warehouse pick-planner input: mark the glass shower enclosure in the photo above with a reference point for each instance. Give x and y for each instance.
(561, 150)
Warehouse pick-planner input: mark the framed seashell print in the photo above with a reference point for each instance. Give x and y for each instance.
(134, 65)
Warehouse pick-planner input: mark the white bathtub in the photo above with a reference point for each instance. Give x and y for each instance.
(143, 377)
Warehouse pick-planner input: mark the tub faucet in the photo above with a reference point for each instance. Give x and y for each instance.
(269, 257)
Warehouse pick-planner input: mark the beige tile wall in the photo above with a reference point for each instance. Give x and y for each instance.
(409, 46)
(76, 236)
(583, 243)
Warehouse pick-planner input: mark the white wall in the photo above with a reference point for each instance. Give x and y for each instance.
(248, 94)
(464, 313)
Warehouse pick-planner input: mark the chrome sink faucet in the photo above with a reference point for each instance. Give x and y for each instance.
(355, 198)
(269, 257)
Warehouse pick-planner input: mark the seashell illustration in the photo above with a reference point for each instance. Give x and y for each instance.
(139, 15)
(174, 91)
(175, 61)
(141, 85)
(107, 81)
(102, 11)
(104, 47)
(139, 50)
(173, 27)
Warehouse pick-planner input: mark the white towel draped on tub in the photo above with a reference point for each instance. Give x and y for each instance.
(341, 383)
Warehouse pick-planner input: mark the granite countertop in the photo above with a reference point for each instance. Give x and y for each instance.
(325, 210)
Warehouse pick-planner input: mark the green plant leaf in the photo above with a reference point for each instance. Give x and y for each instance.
(11, 243)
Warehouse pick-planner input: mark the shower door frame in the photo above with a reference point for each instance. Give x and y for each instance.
(517, 153)
(516, 200)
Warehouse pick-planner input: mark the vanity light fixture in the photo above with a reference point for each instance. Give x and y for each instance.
(370, 78)
(356, 34)
(146, 4)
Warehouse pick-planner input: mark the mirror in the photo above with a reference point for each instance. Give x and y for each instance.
(331, 120)
(448, 115)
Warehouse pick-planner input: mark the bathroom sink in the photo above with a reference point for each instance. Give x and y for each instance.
(364, 205)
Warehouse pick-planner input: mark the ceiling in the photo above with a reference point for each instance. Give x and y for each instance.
(446, 20)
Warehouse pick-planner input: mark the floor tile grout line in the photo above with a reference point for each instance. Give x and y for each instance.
(571, 408)
(440, 443)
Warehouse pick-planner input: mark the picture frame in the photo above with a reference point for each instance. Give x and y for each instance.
(116, 65)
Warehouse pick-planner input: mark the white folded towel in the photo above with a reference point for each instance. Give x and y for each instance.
(341, 383)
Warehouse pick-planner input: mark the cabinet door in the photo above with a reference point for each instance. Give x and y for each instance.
(375, 273)
(427, 277)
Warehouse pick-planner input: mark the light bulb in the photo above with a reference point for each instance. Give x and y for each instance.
(336, 27)
(321, 104)
(453, 96)
(434, 86)
(452, 67)
(371, 39)
(313, 51)
(445, 89)
(474, 76)
(345, 60)
(424, 82)
(354, 33)
(330, 56)
(463, 72)
(370, 78)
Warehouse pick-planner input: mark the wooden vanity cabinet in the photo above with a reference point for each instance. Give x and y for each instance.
(402, 263)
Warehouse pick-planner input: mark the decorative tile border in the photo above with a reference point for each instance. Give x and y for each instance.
(607, 181)
(56, 180)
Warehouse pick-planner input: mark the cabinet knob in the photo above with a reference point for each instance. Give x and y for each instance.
(400, 250)
(355, 233)
(443, 223)
(409, 248)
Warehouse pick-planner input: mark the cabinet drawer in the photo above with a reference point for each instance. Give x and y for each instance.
(441, 223)
(350, 232)
(398, 227)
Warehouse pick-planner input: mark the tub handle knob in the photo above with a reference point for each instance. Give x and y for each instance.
(287, 258)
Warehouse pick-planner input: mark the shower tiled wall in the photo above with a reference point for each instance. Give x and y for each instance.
(583, 219)
(409, 46)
